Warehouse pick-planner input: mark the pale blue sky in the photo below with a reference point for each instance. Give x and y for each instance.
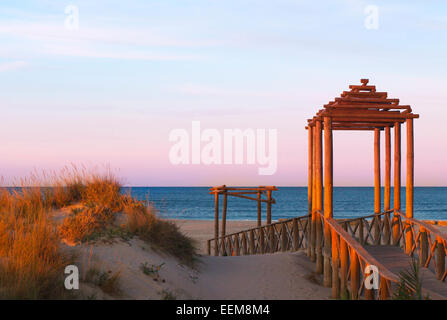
(111, 91)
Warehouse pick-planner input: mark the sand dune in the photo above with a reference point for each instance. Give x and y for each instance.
(271, 276)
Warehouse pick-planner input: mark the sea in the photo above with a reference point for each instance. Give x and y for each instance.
(195, 203)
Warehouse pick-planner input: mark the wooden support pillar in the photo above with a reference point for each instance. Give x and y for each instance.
(328, 193)
(259, 209)
(344, 262)
(313, 221)
(236, 250)
(269, 206)
(224, 214)
(319, 197)
(387, 195)
(410, 183)
(355, 275)
(252, 242)
(262, 231)
(310, 170)
(244, 244)
(284, 238)
(396, 181)
(423, 253)
(310, 185)
(295, 231)
(216, 223)
(377, 195)
(272, 238)
(440, 259)
(383, 289)
(335, 266)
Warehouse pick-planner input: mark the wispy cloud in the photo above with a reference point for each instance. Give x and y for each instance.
(13, 65)
(50, 38)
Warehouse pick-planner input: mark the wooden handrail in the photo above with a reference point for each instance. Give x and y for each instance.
(256, 228)
(354, 244)
(366, 217)
(425, 225)
(282, 235)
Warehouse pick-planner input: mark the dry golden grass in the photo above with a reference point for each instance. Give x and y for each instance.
(31, 262)
(161, 234)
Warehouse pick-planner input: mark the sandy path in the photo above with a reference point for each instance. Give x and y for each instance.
(270, 276)
(202, 230)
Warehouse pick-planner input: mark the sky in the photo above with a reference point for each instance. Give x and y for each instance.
(110, 89)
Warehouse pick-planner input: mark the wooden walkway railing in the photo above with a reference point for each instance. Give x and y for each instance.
(417, 238)
(349, 262)
(283, 235)
(424, 241)
(343, 253)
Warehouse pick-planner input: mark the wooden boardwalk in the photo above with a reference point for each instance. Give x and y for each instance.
(375, 240)
(395, 260)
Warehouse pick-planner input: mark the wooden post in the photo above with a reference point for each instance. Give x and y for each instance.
(310, 193)
(327, 198)
(377, 195)
(259, 209)
(344, 262)
(387, 195)
(396, 181)
(361, 232)
(355, 275)
(269, 206)
(262, 239)
(328, 192)
(310, 170)
(440, 259)
(216, 223)
(335, 266)
(295, 231)
(423, 255)
(383, 288)
(208, 247)
(224, 217)
(314, 202)
(236, 251)
(272, 238)
(252, 242)
(318, 198)
(224, 214)
(410, 182)
(284, 238)
(244, 244)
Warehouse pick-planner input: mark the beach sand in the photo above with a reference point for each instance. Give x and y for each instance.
(271, 276)
(203, 230)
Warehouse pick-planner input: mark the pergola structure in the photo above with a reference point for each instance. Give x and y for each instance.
(360, 108)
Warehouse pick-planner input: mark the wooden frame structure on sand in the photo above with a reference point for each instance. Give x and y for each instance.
(361, 108)
(240, 192)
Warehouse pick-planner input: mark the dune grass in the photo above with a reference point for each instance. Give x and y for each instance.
(31, 260)
(142, 220)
